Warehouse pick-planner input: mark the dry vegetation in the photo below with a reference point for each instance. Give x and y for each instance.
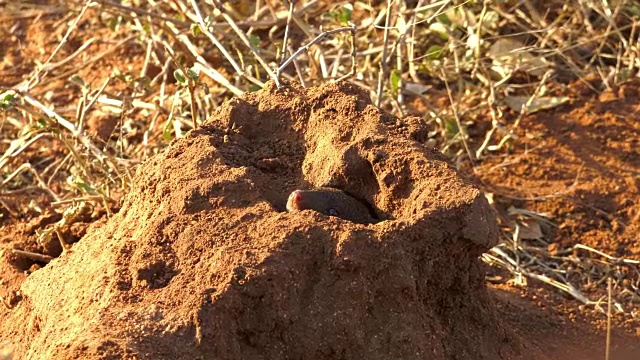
(75, 126)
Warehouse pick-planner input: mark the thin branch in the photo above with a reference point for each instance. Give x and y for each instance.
(36, 76)
(31, 255)
(316, 40)
(383, 62)
(245, 40)
(287, 29)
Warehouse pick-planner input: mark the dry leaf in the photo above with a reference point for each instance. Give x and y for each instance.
(509, 55)
(530, 229)
(541, 103)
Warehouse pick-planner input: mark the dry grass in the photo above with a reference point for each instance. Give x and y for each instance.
(187, 57)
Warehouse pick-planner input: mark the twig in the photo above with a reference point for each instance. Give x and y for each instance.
(41, 183)
(532, 98)
(32, 255)
(204, 66)
(50, 66)
(84, 64)
(303, 83)
(286, 31)
(8, 208)
(354, 64)
(218, 44)
(139, 11)
(88, 198)
(191, 85)
(36, 75)
(17, 146)
(317, 39)
(626, 261)
(245, 40)
(55, 171)
(461, 130)
(67, 125)
(382, 76)
(607, 349)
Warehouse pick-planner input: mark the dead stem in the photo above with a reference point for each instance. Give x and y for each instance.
(31, 255)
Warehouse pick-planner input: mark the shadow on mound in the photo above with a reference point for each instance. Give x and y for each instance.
(203, 262)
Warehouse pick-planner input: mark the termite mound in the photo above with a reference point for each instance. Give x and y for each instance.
(203, 261)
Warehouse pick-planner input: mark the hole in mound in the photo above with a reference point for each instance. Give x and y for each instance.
(25, 264)
(332, 202)
(157, 275)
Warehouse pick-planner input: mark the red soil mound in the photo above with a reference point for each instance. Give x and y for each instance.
(202, 261)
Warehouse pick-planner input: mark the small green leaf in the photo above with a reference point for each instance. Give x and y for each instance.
(624, 74)
(633, 9)
(254, 40)
(195, 29)
(114, 23)
(7, 100)
(180, 78)
(341, 14)
(143, 82)
(451, 127)
(147, 28)
(166, 132)
(344, 15)
(209, 19)
(41, 123)
(434, 52)
(78, 80)
(193, 74)
(395, 81)
(443, 19)
(440, 29)
(82, 185)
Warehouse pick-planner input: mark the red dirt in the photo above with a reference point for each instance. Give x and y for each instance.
(580, 165)
(582, 162)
